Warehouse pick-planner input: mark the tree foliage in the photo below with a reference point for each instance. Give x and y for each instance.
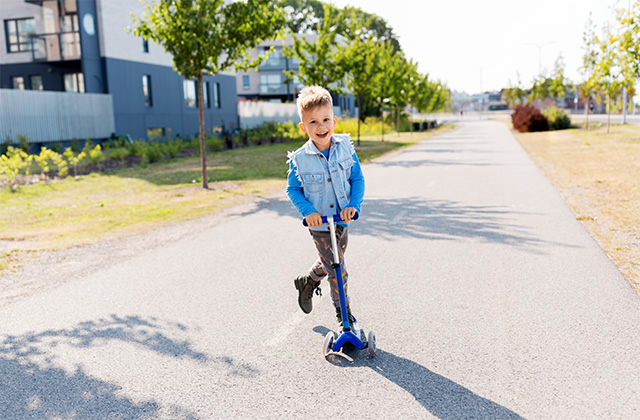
(208, 36)
(319, 60)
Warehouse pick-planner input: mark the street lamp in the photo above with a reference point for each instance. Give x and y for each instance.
(540, 52)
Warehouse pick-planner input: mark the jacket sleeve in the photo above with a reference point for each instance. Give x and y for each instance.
(295, 193)
(357, 184)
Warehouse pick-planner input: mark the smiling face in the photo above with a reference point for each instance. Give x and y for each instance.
(319, 123)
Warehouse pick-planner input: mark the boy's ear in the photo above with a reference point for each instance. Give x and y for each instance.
(335, 121)
(302, 127)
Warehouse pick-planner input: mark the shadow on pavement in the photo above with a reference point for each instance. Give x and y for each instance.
(440, 396)
(436, 220)
(34, 385)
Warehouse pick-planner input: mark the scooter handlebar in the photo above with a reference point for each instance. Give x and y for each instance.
(336, 218)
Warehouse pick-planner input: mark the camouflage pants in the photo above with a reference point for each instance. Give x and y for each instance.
(322, 267)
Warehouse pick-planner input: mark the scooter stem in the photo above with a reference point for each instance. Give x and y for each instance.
(338, 270)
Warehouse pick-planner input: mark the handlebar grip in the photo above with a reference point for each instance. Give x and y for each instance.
(336, 218)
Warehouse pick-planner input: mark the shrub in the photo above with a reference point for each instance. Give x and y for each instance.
(118, 153)
(13, 163)
(557, 118)
(528, 118)
(173, 147)
(95, 155)
(74, 159)
(154, 152)
(214, 143)
(23, 141)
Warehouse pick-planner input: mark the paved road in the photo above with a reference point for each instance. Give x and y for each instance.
(488, 298)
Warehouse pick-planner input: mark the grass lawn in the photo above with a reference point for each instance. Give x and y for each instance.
(72, 212)
(598, 173)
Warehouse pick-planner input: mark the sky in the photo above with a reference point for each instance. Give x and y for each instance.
(483, 45)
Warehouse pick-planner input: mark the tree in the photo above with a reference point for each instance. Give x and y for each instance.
(628, 47)
(380, 88)
(319, 61)
(358, 61)
(427, 96)
(589, 60)
(206, 37)
(402, 74)
(607, 71)
(302, 16)
(513, 94)
(558, 83)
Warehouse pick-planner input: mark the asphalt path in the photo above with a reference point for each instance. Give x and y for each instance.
(488, 299)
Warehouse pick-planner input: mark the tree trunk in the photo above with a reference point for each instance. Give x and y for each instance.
(586, 111)
(203, 157)
(398, 118)
(382, 118)
(608, 113)
(359, 116)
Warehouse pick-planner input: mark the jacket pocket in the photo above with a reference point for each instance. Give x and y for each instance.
(312, 183)
(345, 167)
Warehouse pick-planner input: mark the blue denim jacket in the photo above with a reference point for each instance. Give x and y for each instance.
(325, 186)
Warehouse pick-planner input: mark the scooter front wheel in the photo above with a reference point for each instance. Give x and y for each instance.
(328, 343)
(371, 344)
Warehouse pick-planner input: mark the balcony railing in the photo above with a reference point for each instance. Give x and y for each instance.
(60, 46)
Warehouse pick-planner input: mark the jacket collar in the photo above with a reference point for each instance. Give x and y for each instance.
(311, 149)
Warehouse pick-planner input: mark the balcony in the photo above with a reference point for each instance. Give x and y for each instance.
(61, 46)
(273, 89)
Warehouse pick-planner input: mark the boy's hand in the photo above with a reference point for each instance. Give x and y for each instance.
(347, 214)
(314, 219)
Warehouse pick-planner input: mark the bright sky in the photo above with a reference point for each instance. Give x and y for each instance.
(480, 45)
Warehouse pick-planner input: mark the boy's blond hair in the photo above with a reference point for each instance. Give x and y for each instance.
(311, 97)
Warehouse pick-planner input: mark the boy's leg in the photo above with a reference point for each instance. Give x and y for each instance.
(323, 245)
(307, 284)
(310, 283)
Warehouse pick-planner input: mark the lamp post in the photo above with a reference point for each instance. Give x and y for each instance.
(540, 52)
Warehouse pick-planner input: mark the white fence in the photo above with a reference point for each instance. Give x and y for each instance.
(254, 114)
(44, 116)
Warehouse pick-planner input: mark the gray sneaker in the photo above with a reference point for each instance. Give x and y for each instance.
(306, 286)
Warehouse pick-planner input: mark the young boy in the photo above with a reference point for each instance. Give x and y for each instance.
(324, 179)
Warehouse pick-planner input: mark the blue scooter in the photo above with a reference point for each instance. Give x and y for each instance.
(354, 335)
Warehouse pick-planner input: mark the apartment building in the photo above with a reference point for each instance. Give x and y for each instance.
(83, 46)
(269, 82)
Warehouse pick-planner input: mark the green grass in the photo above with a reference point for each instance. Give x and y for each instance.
(76, 211)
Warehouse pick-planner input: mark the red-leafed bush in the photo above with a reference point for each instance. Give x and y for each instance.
(527, 118)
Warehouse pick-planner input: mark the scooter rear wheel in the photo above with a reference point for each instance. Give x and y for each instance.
(371, 344)
(328, 343)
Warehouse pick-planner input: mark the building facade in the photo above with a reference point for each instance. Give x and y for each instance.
(84, 46)
(269, 82)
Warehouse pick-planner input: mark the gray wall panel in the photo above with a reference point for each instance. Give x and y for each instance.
(124, 79)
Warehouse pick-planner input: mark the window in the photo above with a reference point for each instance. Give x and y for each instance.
(74, 82)
(17, 32)
(145, 45)
(205, 95)
(146, 90)
(17, 82)
(190, 99)
(36, 82)
(245, 82)
(216, 95)
(69, 37)
(271, 84)
(275, 61)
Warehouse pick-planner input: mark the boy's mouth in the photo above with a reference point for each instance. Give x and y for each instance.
(322, 135)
